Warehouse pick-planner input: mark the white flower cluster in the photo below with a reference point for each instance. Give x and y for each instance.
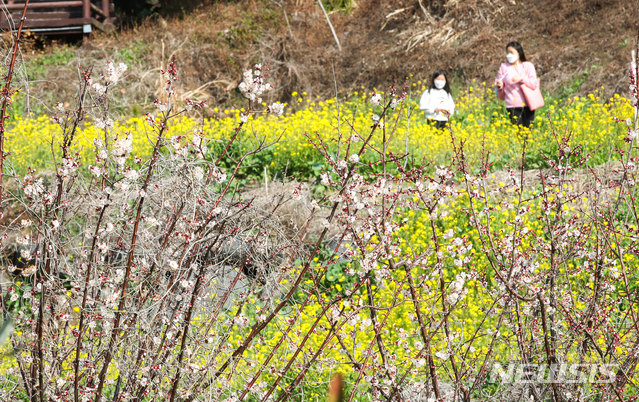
(181, 150)
(276, 109)
(377, 98)
(218, 176)
(122, 147)
(442, 355)
(102, 123)
(198, 173)
(377, 121)
(242, 321)
(69, 166)
(196, 140)
(457, 289)
(253, 85)
(457, 248)
(130, 176)
(33, 189)
(527, 309)
(96, 170)
(113, 73)
(162, 107)
(259, 389)
(443, 172)
(97, 87)
(326, 179)
(297, 193)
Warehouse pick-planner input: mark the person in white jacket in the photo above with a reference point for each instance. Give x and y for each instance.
(437, 101)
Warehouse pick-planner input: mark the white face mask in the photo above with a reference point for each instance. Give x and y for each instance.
(439, 84)
(512, 58)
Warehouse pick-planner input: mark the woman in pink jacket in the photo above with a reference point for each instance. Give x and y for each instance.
(511, 76)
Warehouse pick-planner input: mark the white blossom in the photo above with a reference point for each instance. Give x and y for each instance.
(102, 123)
(442, 355)
(218, 176)
(122, 147)
(198, 173)
(276, 109)
(253, 85)
(113, 72)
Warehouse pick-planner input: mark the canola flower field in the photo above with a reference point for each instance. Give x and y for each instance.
(478, 120)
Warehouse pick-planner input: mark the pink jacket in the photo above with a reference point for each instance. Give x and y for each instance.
(514, 94)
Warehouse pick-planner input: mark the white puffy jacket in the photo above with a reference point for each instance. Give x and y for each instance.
(436, 99)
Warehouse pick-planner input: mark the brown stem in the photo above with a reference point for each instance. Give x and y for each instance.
(187, 322)
(118, 313)
(6, 96)
(549, 354)
(425, 338)
(87, 279)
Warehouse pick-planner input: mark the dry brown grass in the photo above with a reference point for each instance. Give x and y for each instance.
(383, 42)
(292, 214)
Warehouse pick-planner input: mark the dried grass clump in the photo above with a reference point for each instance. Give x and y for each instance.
(383, 42)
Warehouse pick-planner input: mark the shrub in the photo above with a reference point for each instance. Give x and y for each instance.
(155, 277)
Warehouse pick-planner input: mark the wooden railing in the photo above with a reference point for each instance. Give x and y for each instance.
(66, 16)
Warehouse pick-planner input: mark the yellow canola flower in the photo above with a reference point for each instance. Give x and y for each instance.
(476, 121)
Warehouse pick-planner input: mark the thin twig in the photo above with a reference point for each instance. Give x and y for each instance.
(6, 96)
(330, 25)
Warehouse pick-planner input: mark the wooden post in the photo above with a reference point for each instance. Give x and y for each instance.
(105, 10)
(86, 9)
(86, 15)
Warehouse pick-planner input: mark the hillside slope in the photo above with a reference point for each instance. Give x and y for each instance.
(576, 45)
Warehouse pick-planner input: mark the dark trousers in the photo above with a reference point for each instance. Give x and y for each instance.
(438, 124)
(522, 116)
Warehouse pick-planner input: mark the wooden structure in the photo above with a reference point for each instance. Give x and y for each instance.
(58, 16)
